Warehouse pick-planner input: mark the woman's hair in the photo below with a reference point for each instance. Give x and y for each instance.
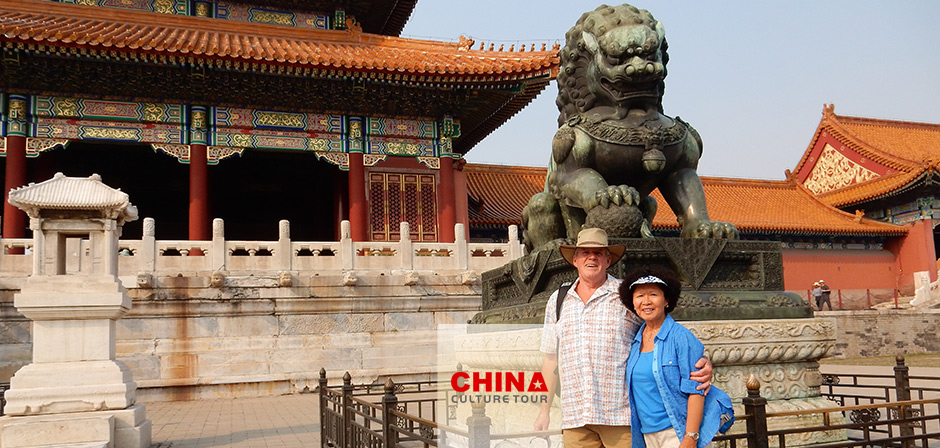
(671, 289)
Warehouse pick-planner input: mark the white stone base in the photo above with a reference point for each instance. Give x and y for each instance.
(63, 387)
(125, 428)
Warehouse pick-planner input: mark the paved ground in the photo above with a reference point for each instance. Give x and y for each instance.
(284, 421)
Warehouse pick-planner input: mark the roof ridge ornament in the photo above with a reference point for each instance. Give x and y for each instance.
(465, 43)
(859, 215)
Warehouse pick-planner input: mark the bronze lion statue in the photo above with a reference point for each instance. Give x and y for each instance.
(614, 145)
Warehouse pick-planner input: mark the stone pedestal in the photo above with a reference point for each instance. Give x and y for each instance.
(78, 386)
(74, 393)
(113, 428)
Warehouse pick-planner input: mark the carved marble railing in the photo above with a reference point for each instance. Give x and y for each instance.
(152, 256)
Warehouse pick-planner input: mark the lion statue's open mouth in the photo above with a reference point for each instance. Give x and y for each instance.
(618, 89)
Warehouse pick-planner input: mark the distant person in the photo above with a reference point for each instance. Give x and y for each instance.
(817, 295)
(666, 409)
(824, 295)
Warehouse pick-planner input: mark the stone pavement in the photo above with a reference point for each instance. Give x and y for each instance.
(282, 421)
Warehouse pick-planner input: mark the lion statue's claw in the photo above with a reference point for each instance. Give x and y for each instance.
(710, 229)
(615, 194)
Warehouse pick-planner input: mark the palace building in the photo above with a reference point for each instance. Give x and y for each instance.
(317, 112)
(314, 133)
(255, 111)
(883, 170)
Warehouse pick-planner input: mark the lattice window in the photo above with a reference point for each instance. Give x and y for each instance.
(395, 197)
(427, 208)
(377, 212)
(394, 182)
(411, 213)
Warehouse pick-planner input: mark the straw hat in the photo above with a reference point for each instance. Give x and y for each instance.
(593, 237)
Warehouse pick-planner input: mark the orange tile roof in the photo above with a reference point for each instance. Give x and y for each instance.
(910, 148)
(755, 206)
(917, 142)
(758, 206)
(498, 193)
(59, 25)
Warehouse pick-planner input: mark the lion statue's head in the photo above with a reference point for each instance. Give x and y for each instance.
(613, 55)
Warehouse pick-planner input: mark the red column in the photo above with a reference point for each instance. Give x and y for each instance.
(445, 197)
(14, 219)
(358, 208)
(198, 193)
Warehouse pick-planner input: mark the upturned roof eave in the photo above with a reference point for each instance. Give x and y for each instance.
(833, 124)
(32, 22)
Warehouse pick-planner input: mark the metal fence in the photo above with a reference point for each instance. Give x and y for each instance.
(875, 397)
(886, 417)
(858, 388)
(878, 414)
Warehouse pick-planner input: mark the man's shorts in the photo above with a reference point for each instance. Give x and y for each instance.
(596, 436)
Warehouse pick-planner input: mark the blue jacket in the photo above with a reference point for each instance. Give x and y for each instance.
(674, 356)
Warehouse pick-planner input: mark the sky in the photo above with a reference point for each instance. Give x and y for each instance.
(750, 76)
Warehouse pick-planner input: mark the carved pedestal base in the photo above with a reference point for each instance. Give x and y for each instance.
(62, 387)
(125, 428)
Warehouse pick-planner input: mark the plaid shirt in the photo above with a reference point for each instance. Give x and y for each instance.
(592, 341)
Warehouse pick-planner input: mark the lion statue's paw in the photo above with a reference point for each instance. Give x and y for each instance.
(710, 229)
(614, 194)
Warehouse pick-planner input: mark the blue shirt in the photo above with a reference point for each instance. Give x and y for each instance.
(675, 352)
(645, 395)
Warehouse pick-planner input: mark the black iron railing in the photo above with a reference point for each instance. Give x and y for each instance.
(858, 388)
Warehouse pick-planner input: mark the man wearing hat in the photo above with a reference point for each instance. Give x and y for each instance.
(825, 292)
(816, 292)
(588, 348)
